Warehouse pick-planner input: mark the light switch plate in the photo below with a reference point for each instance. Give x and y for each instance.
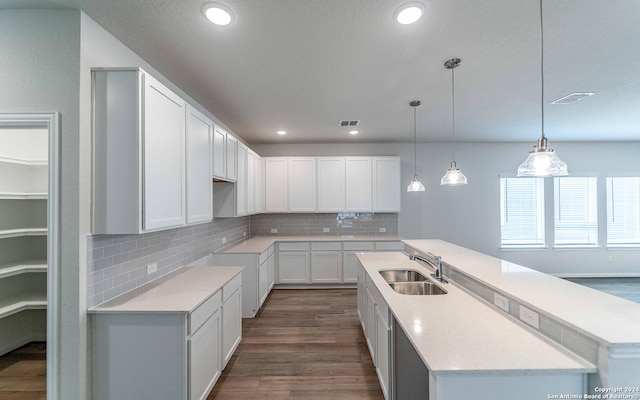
(274, 230)
(382, 230)
(224, 240)
(501, 302)
(530, 317)
(325, 230)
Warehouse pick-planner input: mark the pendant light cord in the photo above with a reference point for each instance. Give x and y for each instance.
(415, 151)
(453, 114)
(542, 69)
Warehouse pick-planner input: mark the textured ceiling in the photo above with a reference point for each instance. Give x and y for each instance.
(303, 65)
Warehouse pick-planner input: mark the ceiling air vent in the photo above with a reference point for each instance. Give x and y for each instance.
(572, 98)
(346, 122)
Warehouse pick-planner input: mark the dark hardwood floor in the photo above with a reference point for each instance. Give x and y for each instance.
(23, 373)
(303, 344)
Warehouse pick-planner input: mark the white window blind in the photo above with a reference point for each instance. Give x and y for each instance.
(522, 211)
(623, 211)
(576, 211)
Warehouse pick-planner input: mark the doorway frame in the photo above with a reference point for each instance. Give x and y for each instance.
(51, 122)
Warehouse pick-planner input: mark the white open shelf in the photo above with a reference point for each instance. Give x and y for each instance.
(22, 267)
(23, 196)
(29, 300)
(9, 233)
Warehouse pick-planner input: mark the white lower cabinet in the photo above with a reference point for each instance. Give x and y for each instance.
(376, 325)
(350, 264)
(231, 319)
(165, 354)
(326, 262)
(293, 267)
(266, 275)
(204, 358)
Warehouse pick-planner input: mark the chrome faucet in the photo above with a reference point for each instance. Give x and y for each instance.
(436, 263)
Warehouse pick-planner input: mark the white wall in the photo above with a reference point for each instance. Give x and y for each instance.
(469, 215)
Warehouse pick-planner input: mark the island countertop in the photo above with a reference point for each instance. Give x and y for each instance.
(457, 333)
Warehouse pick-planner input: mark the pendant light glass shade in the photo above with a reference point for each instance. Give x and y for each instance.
(415, 185)
(542, 161)
(453, 176)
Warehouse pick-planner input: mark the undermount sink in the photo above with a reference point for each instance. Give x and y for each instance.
(402, 275)
(417, 288)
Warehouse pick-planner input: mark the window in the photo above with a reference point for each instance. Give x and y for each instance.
(576, 211)
(522, 211)
(623, 211)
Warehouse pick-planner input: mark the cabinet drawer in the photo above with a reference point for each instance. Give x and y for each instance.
(389, 246)
(333, 246)
(293, 246)
(205, 310)
(230, 288)
(358, 246)
(265, 255)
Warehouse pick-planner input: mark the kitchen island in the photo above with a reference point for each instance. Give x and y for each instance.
(499, 319)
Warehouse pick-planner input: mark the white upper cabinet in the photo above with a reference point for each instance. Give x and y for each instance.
(259, 188)
(231, 158)
(251, 182)
(330, 184)
(386, 184)
(241, 181)
(302, 184)
(219, 151)
(358, 184)
(199, 190)
(276, 188)
(139, 147)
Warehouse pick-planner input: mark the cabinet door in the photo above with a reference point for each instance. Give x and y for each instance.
(370, 324)
(232, 154)
(386, 184)
(383, 339)
(259, 195)
(251, 182)
(271, 270)
(362, 301)
(163, 157)
(263, 282)
(326, 266)
(219, 153)
(350, 267)
(199, 182)
(205, 361)
(241, 181)
(275, 185)
(231, 325)
(358, 184)
(293, 267)
(331, 184)
(302, 184)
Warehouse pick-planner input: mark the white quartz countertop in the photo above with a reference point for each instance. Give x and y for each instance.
(456, 333)
(258, 244)
(180, 291)
(601, 316)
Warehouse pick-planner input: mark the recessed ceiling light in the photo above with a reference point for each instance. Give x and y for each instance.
(354, 132)
(218, 13)
(281, 132)
(409, 13)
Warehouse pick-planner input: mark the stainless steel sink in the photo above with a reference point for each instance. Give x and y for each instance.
(417, 288)
(402, 275)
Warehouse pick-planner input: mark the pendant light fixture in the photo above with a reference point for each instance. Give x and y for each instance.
(542, 161)
(453, 176)
(415, 185)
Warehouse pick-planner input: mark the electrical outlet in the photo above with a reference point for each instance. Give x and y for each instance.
(530, 317)
(151, 268)
(244, 233)
(382, 230)
(274, 230)
(610, 259)
(224, 240)
(325, 230)
(501, 302)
